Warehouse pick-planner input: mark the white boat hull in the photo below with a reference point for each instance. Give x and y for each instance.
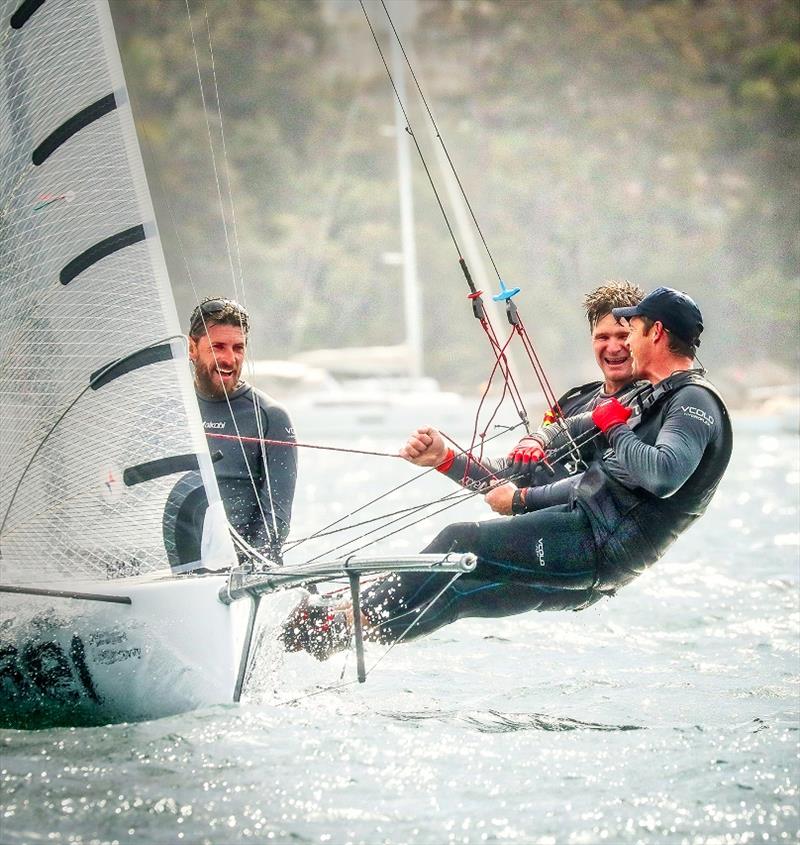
(173, 648)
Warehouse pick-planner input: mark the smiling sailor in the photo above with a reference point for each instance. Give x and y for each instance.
(609, 344)
(655, 461)
(256, 480)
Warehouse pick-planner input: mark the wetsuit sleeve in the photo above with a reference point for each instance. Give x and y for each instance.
(278, 486)
(578, 425)
(578, 429)
(478, 476)
(546, 495)
(559, 432)
(566, 440)
(692, 418)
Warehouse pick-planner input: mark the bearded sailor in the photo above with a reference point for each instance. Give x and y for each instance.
(655, 465)
(256, 480)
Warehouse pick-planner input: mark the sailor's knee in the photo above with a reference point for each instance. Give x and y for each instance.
(459, 537)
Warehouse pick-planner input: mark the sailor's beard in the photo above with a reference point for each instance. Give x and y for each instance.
(210, 384)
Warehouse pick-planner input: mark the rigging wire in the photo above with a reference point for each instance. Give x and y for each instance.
(272, 531)
(511, 310)
(457, 497)
(440, 139)
(475, 295)
(351, 526)
(418, 617)
(240, 291)
(295, 444)
(384, 495)
(190, 277)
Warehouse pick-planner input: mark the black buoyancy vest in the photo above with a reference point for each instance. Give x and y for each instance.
(574, 398)
(633, 527)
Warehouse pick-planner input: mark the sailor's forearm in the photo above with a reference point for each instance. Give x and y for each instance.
(565, 430)
(661, 469)
(467, 472)
(547, 495)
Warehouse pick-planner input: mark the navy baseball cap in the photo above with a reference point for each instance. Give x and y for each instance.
(677, 311)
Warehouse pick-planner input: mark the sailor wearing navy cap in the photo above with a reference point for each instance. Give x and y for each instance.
(658, 457)
(676, 311)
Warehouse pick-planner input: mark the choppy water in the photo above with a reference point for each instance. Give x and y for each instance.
(666, 715)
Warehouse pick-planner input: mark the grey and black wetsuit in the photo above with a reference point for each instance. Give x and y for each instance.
(256, 481)
(579, 399)
(583, 536)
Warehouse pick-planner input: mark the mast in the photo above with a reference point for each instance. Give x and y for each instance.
(406, 13)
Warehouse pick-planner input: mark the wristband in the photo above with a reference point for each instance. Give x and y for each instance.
(518, 501)
(447, 462)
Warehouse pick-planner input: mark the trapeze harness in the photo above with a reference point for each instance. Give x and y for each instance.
(583, 537)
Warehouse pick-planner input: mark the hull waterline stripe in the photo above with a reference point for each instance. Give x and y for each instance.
(100, 250)
(24, 13)
(73, 125)
(151, 355)
(65, 594)
(156, 469)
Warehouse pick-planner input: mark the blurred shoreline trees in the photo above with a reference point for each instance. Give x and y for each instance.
(655, 140)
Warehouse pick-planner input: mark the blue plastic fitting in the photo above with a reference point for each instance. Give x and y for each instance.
(505, 293)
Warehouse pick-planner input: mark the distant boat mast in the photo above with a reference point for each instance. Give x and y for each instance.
(404, 15)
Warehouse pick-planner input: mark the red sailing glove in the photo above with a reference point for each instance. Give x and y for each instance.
(528, 451)
(609, 414)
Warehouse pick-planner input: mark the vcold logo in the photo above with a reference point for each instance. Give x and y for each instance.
(698, 414)
(540, 551)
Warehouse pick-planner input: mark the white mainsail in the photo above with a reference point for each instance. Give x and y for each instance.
(90, 449)
(102, 451)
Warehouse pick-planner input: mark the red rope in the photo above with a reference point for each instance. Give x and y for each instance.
(293, 443)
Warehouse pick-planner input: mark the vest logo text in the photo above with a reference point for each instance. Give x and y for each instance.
(698, 414)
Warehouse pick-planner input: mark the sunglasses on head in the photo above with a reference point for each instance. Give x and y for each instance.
(214, 309)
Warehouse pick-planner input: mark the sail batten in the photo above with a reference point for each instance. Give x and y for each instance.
(24, 12)
(71, 126)
(140, 358)
(85, 300)
(95, 253)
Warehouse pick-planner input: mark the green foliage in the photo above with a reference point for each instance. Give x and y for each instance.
(656, 141)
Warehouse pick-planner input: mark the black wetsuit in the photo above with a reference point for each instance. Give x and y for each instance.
(585, 535)
(585, 397)
(256, 482)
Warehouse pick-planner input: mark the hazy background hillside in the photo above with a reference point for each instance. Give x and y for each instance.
(653, 141)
